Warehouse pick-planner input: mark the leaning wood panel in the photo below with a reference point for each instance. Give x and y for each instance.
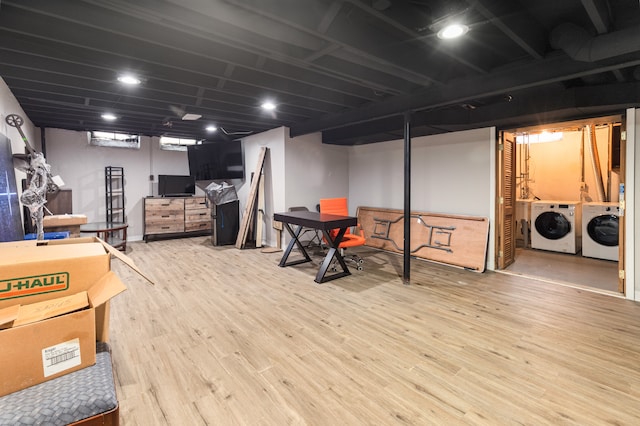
(247, 216)
(451, 239)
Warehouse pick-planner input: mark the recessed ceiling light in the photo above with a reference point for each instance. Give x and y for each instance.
(191, 117)
(129, 79)
(109, 117)
(211, 128)
(453, 31)
(268, 106)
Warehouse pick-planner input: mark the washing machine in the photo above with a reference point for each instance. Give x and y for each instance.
(556, 226)
(600, 230)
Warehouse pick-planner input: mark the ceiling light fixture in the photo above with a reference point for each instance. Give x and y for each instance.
(109, 117)
(211, 128)
(129, 79)
(268, 106)
(191, 117)
(452, 31)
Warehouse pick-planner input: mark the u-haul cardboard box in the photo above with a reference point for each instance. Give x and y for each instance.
(54, 306)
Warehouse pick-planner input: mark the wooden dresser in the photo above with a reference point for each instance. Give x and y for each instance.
(176, 216)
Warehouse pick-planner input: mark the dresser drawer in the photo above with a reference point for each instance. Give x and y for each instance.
(198, 226)
(159, 217)
(195, 203)
(197, 215)
(151, 204)
(164, 228)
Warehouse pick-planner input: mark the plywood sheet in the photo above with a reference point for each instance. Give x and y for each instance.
(451, 239)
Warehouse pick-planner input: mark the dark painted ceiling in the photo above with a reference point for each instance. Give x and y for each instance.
(347, 68)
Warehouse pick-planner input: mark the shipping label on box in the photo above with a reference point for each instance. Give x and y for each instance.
(61, 357)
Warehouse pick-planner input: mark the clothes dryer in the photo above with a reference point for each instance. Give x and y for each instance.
(600, 230)
(556, 226)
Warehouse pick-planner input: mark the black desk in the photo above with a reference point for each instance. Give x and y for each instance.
(325, 223)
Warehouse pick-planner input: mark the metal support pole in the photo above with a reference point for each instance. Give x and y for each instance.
(407, 198)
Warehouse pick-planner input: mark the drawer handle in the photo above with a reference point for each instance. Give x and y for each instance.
(166, 227)
(166, 216)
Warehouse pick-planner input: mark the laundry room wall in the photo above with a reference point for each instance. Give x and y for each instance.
(563, 170)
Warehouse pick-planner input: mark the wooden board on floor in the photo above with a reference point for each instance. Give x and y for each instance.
(451, 239)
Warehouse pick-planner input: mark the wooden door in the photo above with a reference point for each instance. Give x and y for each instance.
(622, 204)
(505, 201)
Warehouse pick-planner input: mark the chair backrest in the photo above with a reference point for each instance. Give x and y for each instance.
(334, 206)
(337, 206)
(298, 209)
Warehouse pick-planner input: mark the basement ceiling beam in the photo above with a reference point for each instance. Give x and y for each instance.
(552, 69)
(506, 16)
(529, 109)
(598, 11)
(417, 36)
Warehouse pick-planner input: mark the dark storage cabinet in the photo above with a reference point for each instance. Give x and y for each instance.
(225, 223)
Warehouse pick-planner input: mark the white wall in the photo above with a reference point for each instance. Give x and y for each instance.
(9, 105)
(297, 172)
(274, 176)
(452, 173)
(81, 166)
(315, 171)
(449, 173)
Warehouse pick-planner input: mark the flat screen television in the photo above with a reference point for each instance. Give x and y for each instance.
(216, 160)
(176, 186)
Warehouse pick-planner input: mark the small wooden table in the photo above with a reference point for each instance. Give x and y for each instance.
(114, 233)
(321, 221)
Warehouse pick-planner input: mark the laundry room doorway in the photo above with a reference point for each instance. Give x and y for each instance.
(558, 214)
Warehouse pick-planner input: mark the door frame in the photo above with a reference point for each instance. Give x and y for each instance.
(626, 280)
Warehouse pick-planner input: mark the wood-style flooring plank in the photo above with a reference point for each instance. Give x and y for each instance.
(226, 337)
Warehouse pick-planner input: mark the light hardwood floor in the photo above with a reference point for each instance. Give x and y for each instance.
(226, 337)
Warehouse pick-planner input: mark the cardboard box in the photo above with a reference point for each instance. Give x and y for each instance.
(47, 349)
(54, 306)
(63, 220)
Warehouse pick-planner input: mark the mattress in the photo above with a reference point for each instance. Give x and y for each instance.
(70, 398)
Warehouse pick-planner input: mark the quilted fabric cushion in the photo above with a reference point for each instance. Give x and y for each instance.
(67, 399)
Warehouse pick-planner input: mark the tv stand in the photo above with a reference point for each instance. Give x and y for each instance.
(172, 217)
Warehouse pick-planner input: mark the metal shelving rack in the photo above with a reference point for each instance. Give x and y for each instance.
(114, 194)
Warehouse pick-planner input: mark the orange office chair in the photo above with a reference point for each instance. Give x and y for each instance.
(339, 206)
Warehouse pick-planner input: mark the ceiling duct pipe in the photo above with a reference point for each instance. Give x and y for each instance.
(581, 46)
